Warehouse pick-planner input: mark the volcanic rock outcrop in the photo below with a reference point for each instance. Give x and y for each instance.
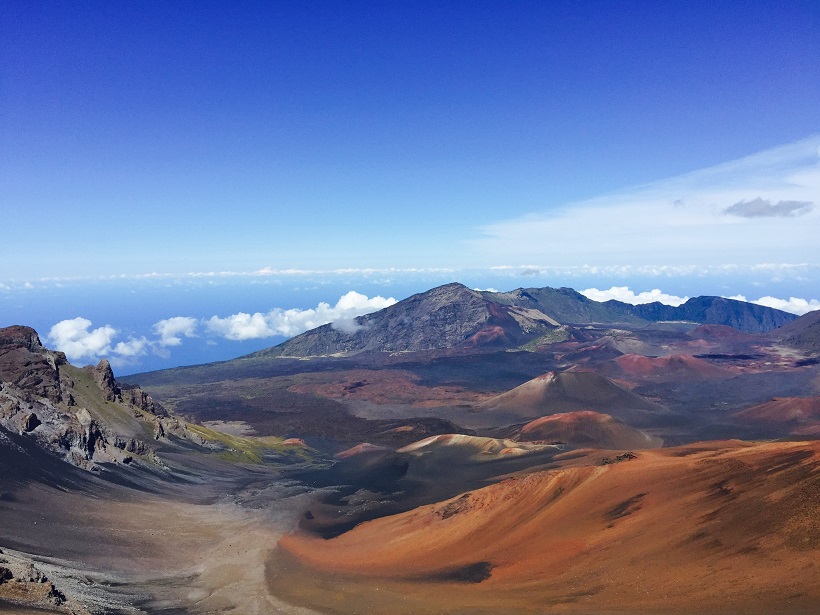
(83, 415)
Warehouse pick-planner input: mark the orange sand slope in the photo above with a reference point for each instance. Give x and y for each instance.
(585, 428)
(701, 528)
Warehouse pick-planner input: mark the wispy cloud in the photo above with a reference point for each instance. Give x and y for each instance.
(743, 212)
(264, 273)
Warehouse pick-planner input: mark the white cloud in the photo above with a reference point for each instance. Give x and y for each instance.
(680, 221)
(240, 326)
(77, 340)
(132, 348)
(287, 323)
(171, 330)
(625, 295)
(795, 305)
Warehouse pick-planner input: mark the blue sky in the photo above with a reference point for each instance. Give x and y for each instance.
(287, 153)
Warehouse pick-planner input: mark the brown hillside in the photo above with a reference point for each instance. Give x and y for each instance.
(559, 392)
(708, 528)
(674, 368)
(587, 429)
(783, 410)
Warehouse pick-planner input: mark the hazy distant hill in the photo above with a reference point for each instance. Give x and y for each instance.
(740, 315)
(568, 306)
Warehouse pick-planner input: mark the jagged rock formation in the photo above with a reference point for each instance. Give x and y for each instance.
(26, 363)
(83, 415)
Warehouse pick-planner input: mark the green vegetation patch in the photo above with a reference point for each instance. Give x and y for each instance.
(248, 449)
(553, 336)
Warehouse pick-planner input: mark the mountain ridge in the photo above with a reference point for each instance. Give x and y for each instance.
(454, 316)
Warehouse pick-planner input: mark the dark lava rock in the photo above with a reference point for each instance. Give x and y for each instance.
(26, 363)
(30, 423)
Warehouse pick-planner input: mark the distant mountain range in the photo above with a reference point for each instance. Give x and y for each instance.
(454, 316)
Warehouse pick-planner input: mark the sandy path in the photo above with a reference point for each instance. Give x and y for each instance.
(148, 553)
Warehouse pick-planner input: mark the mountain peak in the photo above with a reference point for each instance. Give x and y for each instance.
(448, 316)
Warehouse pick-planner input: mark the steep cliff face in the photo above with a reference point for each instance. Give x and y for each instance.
(82, 415)
(449, 316)
(26, 363)
(739, 315)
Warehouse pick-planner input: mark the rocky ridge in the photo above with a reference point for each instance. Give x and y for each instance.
(568, 306)
(81, 414)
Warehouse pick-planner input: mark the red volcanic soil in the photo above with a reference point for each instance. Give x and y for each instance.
(706, 528)
(383, 387)
(486, 336)
(783, 410)
(568, 391)
(666, 369)
(587, 429)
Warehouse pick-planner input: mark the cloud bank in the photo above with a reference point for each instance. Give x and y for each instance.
(795, 305)
(287, 323)
(80, 342)
(625, 295)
